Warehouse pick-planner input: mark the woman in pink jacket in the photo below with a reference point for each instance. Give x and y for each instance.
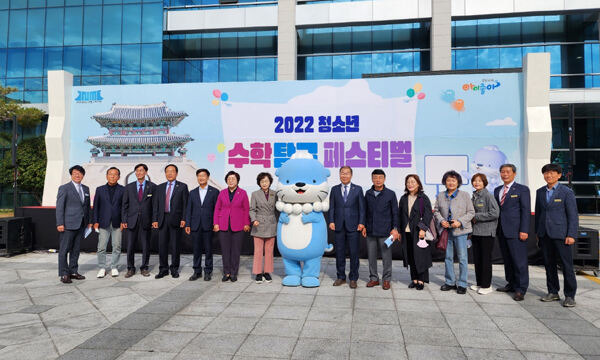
(231, 217)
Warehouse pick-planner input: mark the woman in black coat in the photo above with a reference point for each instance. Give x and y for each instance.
(415, 216)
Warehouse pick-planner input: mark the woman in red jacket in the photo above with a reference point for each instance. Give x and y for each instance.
(231, 218)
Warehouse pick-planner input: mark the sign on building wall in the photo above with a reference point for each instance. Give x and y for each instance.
(421, 124)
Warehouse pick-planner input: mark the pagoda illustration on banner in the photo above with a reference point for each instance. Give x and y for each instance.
(139, 134)
(139, 129)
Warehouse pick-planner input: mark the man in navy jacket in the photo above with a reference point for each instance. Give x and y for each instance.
(514, 201)
(168, 216)
(199, 223)
(347, 219)
(107, 220)
(381, 221)
(556, 223)
(137, 218)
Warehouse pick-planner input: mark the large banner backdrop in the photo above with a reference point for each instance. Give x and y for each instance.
(417, 124)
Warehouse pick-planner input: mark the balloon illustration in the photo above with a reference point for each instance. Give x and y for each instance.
(458, 105)
(211, 157)
(224, 97)
(421, 96)
(217, 93)
(221, 147)
(448, 96)
(215, 102)
(418, 87)
(410, 93)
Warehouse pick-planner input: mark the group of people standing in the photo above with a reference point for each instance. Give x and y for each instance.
(458, 218)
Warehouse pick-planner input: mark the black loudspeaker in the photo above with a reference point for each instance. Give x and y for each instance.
(15, 235)
(586, 255)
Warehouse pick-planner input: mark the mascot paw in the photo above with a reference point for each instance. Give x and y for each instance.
(310, 281)
(284, 218)
(291, 280)
(329, 248)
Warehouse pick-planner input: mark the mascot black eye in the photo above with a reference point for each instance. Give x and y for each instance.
(314, 181)
(287, 181)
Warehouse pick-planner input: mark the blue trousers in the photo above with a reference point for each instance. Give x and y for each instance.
(514, 254)
(553, 250)
(340, 253)
(202, 242)
(460, 244)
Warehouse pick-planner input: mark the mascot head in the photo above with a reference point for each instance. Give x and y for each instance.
(302, 180)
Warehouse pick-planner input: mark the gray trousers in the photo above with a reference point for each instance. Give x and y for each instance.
(374, 242)
(115, 235)
(70, 243)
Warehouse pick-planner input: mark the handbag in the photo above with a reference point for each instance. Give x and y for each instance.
(442, 243)
(430, 236)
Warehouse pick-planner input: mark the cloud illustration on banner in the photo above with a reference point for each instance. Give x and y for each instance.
(507, 121)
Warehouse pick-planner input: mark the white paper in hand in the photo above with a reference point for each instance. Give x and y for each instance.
(87, 233)
(389, 241)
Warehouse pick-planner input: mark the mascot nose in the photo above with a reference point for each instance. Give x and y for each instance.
(300, 184)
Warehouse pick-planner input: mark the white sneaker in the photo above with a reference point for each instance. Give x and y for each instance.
(474, 287)
(114, 272)
(101, 273)
(485, 291)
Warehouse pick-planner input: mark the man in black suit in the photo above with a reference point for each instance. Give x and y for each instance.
(137, 218)
(199, 223)
(72, 219)
(107, 220)
(347, 219)
(556, 222)
(168, 216)
(514, 201)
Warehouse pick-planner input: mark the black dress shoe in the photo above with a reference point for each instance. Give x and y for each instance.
(461, 290)
(207, 277)
(77, 276)
(519, 296)
(412, 285)
(233, 278)
(161, 274)
(174, 274)
(195, 276)
(65, 279)
(420, 286)
(506, 288)
(447, 287)
(225, 278)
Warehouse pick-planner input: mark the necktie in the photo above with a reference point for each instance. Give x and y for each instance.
(168, 199)
(140, 193)
(503, 195)
(345, 193)
(80, 190)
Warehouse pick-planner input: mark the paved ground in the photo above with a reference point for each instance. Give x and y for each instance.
(144, 318)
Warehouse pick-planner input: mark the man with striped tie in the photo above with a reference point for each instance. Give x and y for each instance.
(513, 229)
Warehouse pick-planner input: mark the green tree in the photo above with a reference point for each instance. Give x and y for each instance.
(31, 167)
(31, 153)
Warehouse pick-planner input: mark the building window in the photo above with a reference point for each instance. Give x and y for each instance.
(572, 41)
(584, 170)
(351, 51)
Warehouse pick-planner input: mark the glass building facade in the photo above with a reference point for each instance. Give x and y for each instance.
(585, 171)
(571, 39)
(220, 56)
(349, 52)
(99, 42)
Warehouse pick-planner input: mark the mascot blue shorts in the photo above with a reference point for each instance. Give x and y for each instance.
(302, 231)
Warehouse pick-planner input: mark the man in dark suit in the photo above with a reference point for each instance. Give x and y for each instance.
(72, 219)
(168, 216)
(107, 220)
(514, 201)
(347, 219)
(556, 223)
(199, 223)
(137, 218)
